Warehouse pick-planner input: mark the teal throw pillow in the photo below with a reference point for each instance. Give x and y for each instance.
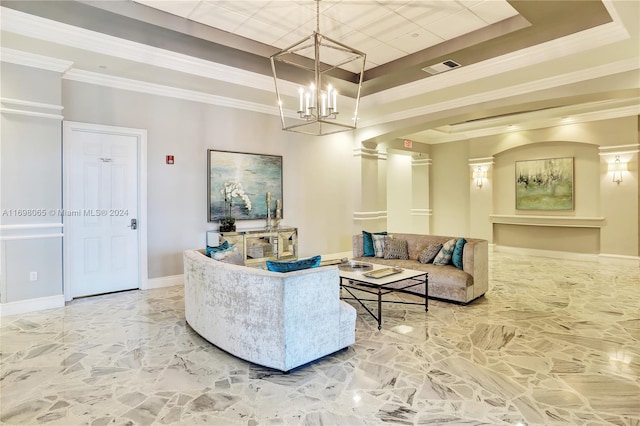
(458, 250)
(367, 243)
(293, 265)
(222, 247)
(446, 252)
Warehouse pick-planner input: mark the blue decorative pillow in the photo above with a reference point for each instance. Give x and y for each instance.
(293, 265)
(221, 247)
(458, 250)
(367, 243)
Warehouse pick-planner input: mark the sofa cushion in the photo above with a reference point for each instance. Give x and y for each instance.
(221, 247)
(379, 241)
(446, 252)
(367, 243)
(458, 250)
(429, 253)
(396, 249)
(293, 265)
(447, 275)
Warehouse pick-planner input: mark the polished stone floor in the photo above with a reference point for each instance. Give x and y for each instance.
(553, 342)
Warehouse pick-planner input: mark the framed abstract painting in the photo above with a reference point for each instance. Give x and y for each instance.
(545, 184)
(238, 184)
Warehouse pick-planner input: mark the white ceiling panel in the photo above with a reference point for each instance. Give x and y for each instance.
(456, 25)
(244, 7)
(288, 16)
(217, 17)
(390, 27)
(493, 11)
(384, 53)
(424, 13)
(415, 41)
(357, 15)
(385, 29)
(257, 30)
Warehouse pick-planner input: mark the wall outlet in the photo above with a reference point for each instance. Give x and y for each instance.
(33, 276)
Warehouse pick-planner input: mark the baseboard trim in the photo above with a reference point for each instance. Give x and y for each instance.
(587, 257)
(167, 281)
(31, 305)
(617, 259)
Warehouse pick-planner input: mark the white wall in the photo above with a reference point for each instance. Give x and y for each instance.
(30, 184)
(316, 170)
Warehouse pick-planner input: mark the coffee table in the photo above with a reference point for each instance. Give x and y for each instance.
(357, 282)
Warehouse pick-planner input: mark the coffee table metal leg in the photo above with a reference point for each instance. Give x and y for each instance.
(379, 309)
(426, 293)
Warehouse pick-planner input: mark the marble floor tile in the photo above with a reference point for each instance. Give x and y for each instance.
(552, 342)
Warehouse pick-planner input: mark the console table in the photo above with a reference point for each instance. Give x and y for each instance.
(255, 246)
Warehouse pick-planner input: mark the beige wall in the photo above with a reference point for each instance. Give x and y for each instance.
(450, 179)
(611, 209)
(399, 193)
(604, 220)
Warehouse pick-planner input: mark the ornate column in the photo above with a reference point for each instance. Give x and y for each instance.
(370, 188)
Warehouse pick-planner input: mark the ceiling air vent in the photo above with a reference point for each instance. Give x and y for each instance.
(441, 67)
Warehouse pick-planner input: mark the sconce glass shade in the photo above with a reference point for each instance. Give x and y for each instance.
(616, 168)
(479, 175)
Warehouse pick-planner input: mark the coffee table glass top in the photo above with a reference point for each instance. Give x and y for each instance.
(380, 274)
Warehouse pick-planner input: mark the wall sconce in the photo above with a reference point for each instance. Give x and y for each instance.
(616, 168)
(479, 175)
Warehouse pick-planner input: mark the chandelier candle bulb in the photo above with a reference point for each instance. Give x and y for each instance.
(329, 89)
(324, 104)
(335, 102)
(301, 91)
(308, 102)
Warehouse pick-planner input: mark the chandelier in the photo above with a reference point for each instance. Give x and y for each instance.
(330, 75)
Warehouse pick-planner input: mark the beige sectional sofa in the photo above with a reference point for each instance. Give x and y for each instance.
(278, 320)
(445, 282)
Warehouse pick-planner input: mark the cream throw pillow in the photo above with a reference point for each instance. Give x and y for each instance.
(446, 252)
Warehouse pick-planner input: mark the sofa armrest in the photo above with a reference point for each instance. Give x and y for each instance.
(358, 246)
(475, 262)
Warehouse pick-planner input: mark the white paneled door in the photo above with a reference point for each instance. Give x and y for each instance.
(100, 212)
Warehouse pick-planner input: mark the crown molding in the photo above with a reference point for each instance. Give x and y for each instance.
(619, 149)
(161, 90)
(26, 59)
(68, 35)
(606, 111)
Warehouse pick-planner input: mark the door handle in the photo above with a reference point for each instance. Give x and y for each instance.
(134, 224)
